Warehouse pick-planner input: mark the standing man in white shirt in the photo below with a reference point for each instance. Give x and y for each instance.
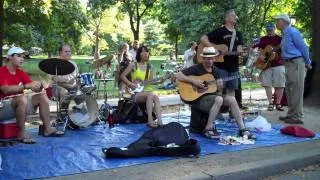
(189, 54)
(134, 49)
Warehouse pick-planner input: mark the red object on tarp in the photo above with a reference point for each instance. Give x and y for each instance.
(297, 131)
(8, 130)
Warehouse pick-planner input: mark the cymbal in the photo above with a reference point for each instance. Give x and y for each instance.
(55, 65)
(100, 62)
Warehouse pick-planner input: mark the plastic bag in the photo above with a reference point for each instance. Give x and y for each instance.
(259, 124)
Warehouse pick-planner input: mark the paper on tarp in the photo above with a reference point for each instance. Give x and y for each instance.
(259, 124)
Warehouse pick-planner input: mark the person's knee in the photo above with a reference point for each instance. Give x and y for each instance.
(230, 100)
(21, 101)
(218, 101)
(156, 98)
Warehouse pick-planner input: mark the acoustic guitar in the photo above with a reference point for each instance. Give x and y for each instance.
(189, 93)
(222, 49)
(269, 54)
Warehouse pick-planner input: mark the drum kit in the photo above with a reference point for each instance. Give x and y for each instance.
(84, 94)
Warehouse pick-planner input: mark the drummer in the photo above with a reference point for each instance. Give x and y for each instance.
(67, 83)
(13, 82)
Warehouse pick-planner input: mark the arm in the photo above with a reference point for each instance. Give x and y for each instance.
(126, 72)
(181, 77)
(301, 46)
(12, 89)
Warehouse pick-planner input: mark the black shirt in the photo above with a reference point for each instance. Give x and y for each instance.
(223, 36)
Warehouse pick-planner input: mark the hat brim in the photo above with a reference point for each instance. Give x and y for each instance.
(209, 55)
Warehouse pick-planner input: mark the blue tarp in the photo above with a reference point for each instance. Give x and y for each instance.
(80, 151)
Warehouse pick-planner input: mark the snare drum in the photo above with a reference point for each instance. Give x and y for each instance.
(87, 84)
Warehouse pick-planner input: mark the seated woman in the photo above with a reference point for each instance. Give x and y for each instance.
(141, 72)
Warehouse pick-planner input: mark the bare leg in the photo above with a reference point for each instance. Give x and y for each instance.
(19, 104)
(269, 93)
(42, 101)
(279, 94)
(232, 103)
(157, 106)
(214, 111)
(150, 98)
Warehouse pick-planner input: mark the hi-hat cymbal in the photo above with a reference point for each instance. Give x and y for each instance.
(55, 66)
(100, 62)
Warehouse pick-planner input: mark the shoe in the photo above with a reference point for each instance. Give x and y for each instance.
(53, 134)
(270, 107)
(211, 133)
(283, 118)
(246, 132)
(279, 107)
(293, 121)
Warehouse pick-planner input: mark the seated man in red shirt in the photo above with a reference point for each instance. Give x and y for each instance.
(13, 82)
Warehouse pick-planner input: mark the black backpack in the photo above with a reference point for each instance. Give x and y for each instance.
(169, 140)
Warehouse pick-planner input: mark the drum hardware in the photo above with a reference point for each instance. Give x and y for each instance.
(100, 62)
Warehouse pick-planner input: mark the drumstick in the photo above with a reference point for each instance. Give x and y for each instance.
(26, 92)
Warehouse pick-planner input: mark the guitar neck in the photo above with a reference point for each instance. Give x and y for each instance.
(229, 78)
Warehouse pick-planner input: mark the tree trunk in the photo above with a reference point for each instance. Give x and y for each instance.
(314, 98)
(1, 29)
(176, 47)
(96, 48)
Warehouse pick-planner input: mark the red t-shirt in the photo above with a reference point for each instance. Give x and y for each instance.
(273, 41)
(7, 79)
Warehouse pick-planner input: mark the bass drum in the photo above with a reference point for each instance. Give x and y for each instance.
(85, 116)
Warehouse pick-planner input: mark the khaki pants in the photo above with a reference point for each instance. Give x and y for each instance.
(295, 74)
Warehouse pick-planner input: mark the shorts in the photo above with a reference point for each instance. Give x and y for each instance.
(205, 103)
(273, 77)
(232, 84)
(7, 113)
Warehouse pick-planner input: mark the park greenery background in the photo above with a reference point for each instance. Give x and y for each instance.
(95, 28)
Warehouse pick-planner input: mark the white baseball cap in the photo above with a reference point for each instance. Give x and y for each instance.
(16, 50)
(284, 17)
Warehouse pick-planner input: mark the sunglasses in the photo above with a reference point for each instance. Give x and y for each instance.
(18, 55)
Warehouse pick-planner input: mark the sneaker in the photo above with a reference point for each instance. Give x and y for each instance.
(211, 133)
(293, 121)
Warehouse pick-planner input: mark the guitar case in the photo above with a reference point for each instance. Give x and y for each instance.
(169, 140)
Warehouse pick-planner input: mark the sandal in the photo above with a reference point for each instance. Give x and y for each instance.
(270, 107)
(27, 141)
(246, 132)
(211, 133)
(279, 107)
(153, 124)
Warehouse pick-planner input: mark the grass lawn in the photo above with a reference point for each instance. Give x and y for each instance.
(31, 66)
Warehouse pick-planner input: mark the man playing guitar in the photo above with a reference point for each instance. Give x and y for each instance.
(228, 36)
(273, 76)
(13, 82)
(211, 103)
